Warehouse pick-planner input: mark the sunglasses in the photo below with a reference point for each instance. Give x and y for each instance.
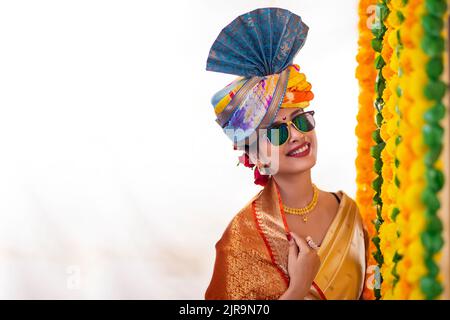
(278, 134)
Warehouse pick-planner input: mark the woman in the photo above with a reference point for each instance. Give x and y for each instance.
(292, 240)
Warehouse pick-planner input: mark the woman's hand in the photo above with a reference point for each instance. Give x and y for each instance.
(303, 265)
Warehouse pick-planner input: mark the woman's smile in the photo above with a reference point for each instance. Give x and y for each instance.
(300, 151)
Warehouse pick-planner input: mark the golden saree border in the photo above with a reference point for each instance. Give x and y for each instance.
(338, 265)
(273, 256)
(272, 226)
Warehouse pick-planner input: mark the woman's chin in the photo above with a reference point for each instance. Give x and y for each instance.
(297, 168)
(301, 164)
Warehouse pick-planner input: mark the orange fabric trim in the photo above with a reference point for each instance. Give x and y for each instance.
(283, 216)
(321, 294)
(261, 233)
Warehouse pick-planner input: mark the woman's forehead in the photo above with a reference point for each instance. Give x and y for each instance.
(286, 112)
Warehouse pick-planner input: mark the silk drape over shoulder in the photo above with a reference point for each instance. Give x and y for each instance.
(252, 254)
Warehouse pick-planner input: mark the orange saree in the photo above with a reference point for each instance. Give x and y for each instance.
(251, 257)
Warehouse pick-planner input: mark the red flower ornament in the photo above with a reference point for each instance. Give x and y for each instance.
(260, 178)
(245, 160)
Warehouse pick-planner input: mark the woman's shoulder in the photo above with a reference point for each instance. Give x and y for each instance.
(241, 225)
(344, 195)
(245, 214)
(352, 203)
(346, 201)
(340, 196)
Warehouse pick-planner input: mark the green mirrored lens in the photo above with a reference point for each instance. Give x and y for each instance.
(278, 135)
(304, 122)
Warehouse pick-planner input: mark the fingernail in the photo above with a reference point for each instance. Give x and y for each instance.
(288, 236)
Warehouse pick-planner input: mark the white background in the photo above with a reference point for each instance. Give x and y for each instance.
(91, 204)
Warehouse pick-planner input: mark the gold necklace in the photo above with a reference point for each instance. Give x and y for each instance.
(305, 210)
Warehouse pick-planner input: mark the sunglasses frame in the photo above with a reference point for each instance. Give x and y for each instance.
(288, 124)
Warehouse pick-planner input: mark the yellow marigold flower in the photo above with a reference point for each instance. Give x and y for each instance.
(416, 294)
(417, 171)
(413, 195)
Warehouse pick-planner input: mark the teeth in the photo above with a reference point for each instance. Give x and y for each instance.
(300, 150)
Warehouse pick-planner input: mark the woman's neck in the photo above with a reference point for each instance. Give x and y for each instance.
(296, 190)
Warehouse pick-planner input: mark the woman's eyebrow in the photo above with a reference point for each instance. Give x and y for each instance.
(294, 114)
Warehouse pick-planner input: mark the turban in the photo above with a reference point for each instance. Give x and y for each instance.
(259, 47)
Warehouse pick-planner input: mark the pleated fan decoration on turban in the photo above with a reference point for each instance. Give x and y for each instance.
(259, 47)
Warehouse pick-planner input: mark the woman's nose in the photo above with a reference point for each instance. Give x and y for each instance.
(295, 135)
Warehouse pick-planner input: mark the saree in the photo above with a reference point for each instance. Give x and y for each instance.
(252, 254)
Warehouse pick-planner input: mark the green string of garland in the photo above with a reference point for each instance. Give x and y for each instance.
(378, 30)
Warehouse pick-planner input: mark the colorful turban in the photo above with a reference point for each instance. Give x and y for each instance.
(259, 47)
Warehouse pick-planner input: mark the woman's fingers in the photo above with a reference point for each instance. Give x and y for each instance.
(301, 243)
(311, 243)
(293, 248)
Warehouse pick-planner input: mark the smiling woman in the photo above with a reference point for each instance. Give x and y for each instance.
(292, 240)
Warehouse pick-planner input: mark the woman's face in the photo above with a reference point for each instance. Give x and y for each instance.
(283, 159)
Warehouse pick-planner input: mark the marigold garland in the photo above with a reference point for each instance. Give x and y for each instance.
(389, 133)
(432, 44)
(412, 151)
(366, 75)
(406, 144)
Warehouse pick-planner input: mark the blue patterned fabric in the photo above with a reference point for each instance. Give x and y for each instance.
(258, 43)
(258, 46)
